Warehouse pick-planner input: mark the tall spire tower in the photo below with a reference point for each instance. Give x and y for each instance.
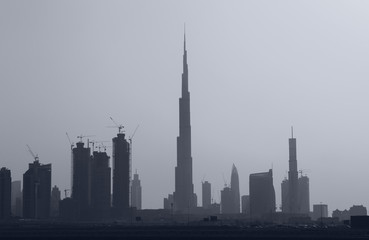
(292, 176)
(184, 197)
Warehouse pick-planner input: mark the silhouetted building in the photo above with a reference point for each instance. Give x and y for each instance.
(319, 211)
(101, 185)
(81, 185)
(227, 201)
(356, 210)
(262, 194)
(136, 192)
(37, 191)
(17, 198)
(169, 202)
(235, 186)
(303, 195)
(292, 177)
(5, 193)
(206, 195)
(184, 197)
(54, 204)
(121, 174)
(245, 199)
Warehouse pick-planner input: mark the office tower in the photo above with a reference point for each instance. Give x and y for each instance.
(136, 192)
(303, 195)
(235, 186)
(17, 198)
(54, 203)
(292, 176)
(245, 199)
(5, 193)
(206, 195)
(81, 180)
(227, 200)
(169, 202)
(319, 211)
(36, 191)
(285, 197)
(262, 194)
(121, 174)
(100, 185)
(184, 197)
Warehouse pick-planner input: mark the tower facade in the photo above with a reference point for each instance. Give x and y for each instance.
(5, 193)
(136, 192)
(184, 197)
(121, 174)
(206, 195)
(292, 177)
(81, 186)
(37, 191)
(235, 187)
(101, 185)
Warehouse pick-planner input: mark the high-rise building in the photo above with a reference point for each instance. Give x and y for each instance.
(169, 202)
(206, 195)
(37, 191)
(292, 176)
(121, 174)
(17, 198)
(285, 197)
(101, 185)
(245, 199)
(54, 202)
(262, 194)
(184, 197)
(136, 192)
(5, 193)
(227, 201)
(303, 195)
(235, 186)
(319, 211)
(81, 186)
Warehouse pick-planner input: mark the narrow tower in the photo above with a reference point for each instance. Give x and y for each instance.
(235, 187)
(184, 197)
(292, 176)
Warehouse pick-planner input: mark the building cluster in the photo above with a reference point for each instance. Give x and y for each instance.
(101, 190)
(91, 196)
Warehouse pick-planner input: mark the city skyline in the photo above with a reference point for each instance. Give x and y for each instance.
(253, 75)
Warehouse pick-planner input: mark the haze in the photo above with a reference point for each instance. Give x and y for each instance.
(255, 69)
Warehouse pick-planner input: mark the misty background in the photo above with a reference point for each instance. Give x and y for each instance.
(255, 69)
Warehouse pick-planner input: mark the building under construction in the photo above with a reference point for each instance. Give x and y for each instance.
(121, 175)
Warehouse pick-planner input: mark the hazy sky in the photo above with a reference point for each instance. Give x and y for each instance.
(255, 69)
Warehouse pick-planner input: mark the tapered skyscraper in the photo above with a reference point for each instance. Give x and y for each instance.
(235, 187)
(184, 197)
(292, 177)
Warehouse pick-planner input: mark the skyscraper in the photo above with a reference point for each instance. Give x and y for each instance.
(17, 198)
(292, 176)
(136, 192)
(262, 194)
(5, 193)
(37, 191)
(54, 202)
(121, 174)
(206, 195)
(303, 195)
(227, 200)
(81, 186)
(235, 186)
(245, 199)
(100, 185)
(184, 197)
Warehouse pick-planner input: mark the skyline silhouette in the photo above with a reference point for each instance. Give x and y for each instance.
(255, 70)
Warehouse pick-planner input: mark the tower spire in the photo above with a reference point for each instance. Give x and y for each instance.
(184, 37)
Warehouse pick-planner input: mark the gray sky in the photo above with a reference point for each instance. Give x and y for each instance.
(255, 69)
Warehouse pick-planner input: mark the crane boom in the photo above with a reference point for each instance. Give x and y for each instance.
(119, 126)
(35, 156)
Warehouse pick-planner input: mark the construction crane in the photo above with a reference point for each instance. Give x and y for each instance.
(71, 159)
(304, 171)
(119, 126)
(130, 160)
(83, 136)
(35, 156)
(70, 142)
